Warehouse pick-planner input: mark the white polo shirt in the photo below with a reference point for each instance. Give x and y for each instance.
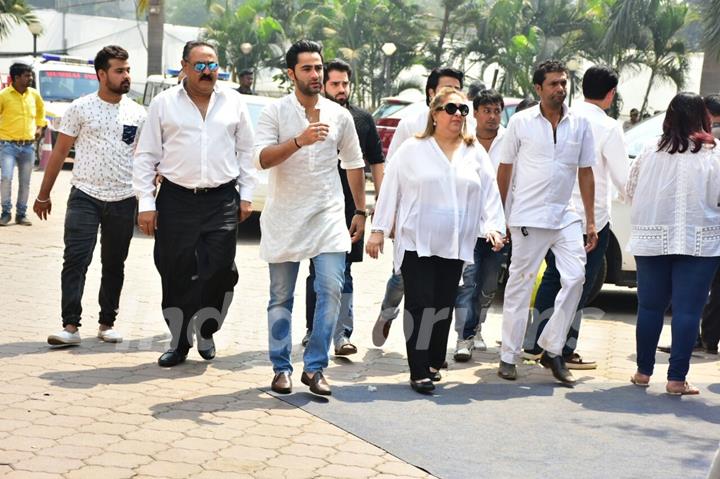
(545, 167)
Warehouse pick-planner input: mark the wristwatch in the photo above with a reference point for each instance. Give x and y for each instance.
(361, 213)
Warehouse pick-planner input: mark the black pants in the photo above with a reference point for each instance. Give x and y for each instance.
(195, 245)
(431, 286)
(84, 216)
(710, 325)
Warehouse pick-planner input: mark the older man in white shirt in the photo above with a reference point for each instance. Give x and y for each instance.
(198, 137)
(548, 146)
(611, 168)
(299, 139)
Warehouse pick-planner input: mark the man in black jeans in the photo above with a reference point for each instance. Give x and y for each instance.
(337, 88)
(103, 128)
(199, 138)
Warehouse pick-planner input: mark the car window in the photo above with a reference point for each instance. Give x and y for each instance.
(643, 134)
(387, 109)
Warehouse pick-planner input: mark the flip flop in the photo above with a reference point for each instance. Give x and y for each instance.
(688, 389)
(346, 350)
(642, 384)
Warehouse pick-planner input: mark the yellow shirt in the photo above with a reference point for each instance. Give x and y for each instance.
(20, 115)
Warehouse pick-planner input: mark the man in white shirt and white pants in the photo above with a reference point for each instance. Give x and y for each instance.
(548, 146)
(299, 139)
(198, 137)
(611, 168)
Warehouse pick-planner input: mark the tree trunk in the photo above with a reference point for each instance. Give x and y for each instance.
(710, 79)
(156, 21)
(443, 32)
(647, 92)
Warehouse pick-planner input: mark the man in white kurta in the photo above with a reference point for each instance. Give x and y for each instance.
(299, 139)
(547, 146)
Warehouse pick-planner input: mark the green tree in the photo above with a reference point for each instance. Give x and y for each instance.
(14, 12)
(710, 80)
(155, 12)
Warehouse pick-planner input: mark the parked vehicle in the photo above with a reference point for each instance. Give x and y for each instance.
(158, 83)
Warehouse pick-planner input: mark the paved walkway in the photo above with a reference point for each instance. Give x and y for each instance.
(101, 410)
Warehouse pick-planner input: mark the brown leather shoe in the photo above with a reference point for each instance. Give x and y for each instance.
(281, 383)
(317, 383)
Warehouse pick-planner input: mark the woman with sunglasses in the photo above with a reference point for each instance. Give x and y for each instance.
(674, 189)
(439, 194)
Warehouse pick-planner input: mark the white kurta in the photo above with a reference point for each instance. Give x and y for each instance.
(304, 213)
(438, 206)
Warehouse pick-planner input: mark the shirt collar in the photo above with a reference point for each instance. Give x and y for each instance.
(27, 90)
(216, 88)
(536, 111)
(322, 101)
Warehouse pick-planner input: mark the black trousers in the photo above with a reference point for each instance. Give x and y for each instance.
(431, 285)
(710, 324)
(195, 244)
(116, 222)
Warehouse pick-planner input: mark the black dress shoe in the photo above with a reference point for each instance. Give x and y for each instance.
(559, 369)
(423, 387)
(208, 353)
(281, 383)
(171, 358)
(317, 383)
(435, 376)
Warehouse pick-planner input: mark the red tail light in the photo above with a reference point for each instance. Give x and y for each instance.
(386, 129)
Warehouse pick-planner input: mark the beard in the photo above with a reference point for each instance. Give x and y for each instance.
(119, 89)
(341, 102)
(307, 89)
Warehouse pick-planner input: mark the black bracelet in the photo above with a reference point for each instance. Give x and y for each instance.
(296, 143)
(361, 213)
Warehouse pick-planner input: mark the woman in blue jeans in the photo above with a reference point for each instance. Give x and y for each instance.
(674, 188)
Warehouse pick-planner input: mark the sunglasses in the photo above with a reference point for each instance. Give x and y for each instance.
(452, 108)
(200, 67)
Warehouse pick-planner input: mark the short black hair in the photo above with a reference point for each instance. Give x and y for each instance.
(110, 52)
(17, 69)
(712, 103)
(337, 65)
(548, 66)
(525, 104)
(301, 46)
(635, 111)
(488, 97)
(474, 89)
(195, 44)
(598, 81)
(247, 71)
(434, 78)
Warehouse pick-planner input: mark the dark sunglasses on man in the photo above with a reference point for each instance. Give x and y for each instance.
(200, 66)
(452, 108)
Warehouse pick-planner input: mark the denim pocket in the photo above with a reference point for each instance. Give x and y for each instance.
(129, 132)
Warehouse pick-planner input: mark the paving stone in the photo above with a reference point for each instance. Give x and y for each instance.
(346, 472)
(164, 437)
(20, 443)
(248, 453)
(31, 475)
(267, 441)
(104, 472)
(185, 455)
(305, 450)
(291, 462)
(199, 444)
(72, 452)
(167, 469)
(87, 439)
(48, 432)
(318, 439)
(54, 465)
(400, 469)
(119, 460)
(352, 459)
(131, 446)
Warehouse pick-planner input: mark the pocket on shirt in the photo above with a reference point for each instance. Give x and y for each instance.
(570, 153)
(129, 132)
(707, 241)
(649, 240)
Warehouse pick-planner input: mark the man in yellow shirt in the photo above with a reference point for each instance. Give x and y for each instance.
(22, 118)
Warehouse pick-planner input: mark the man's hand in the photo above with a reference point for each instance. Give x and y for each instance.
(591, 239)
(496, 240)
(313, 133)
(38, 132)
(375, 244)
(357, 228)
(42, 208)
(244, 211)
(507, 237)
(147, 221)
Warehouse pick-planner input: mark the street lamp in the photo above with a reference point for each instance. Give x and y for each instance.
(246, 49)
(573, 66)
(36, 29)
(388, 50)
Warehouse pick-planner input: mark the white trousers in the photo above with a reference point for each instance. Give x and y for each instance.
(528, 252)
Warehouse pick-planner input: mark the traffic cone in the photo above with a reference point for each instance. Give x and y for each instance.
(45, 149)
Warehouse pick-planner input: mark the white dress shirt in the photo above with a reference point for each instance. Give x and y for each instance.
(675, 203)
(495, 151)
(416, 123)
(304, 213)
(545, 168)
(438, 206)
(177, 143)
(611, 162)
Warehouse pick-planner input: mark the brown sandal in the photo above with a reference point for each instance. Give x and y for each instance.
(637, 382)
(687, 389)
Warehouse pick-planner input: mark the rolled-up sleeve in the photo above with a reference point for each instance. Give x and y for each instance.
(510, 143)
(492, 211)
(387, 202)
(267, 133)
(147, 156)
(351, 156)
(244, 141)
(587, 147)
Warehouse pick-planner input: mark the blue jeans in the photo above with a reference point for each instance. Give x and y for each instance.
(480, 283)
(329, 279)
(549, 288)
(680, 280)
(344, 327)
(23, 156)
(390, 308)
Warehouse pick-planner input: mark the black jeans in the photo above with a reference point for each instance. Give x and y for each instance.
(116, 221)
(195, 244)
(431, 285)
(710, 325)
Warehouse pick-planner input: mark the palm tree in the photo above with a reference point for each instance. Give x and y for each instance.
(14, 12)
(710, 80)
(155, 10)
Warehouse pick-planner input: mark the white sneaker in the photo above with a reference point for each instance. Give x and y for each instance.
(479, 343)
(463, 350)
(109, 336)
(64, 338)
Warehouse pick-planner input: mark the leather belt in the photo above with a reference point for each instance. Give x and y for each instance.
(19, 142)
(198, 190)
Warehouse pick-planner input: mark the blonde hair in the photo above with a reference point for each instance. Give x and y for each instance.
(437, 102)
